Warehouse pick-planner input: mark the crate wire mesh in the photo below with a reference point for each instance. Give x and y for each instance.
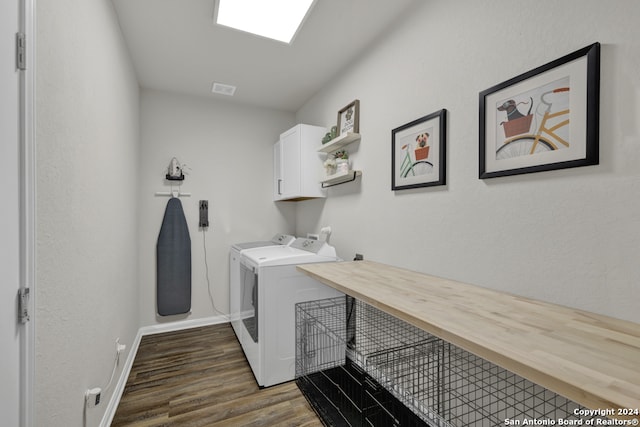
(321, 335)
(338, 389)
(402, 358)
(444, 385)
(479, 393)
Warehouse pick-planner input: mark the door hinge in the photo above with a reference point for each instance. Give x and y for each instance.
(21, 54)
(23, 305)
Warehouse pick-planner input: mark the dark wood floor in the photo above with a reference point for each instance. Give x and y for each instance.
(200, 377)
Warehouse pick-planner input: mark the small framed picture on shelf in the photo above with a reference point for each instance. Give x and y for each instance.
(349, 118)
(418, 152)
(544, 119)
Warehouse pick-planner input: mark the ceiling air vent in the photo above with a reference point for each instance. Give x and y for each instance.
(223, 89)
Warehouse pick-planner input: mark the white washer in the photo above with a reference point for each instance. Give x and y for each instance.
(234, 273)
(271, 287)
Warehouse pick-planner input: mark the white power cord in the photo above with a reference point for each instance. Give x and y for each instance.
(92, 396)
(206, 266)
(119, 349)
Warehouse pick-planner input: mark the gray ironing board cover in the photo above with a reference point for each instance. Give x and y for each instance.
(173, 262)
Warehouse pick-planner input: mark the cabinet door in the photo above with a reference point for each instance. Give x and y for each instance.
(290, 146)
(277, 171)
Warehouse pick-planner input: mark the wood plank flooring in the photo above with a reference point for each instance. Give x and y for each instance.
(200, 377)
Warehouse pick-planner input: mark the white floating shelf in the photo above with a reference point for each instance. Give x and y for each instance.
(339, 178)
(339, 142)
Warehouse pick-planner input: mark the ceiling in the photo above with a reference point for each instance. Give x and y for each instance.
(175, 46)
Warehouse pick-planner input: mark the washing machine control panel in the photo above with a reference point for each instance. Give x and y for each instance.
(310, 245)
(282, 239)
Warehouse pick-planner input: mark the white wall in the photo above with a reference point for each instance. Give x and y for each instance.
(228, 149)
(87, 113)
(569, 236)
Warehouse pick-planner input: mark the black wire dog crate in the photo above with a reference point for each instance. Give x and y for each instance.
(357, 365)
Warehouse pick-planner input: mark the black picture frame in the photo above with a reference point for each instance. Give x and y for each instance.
(544, 119)
(418, 152)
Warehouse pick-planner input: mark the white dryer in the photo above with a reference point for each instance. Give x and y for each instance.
(234, 273)
(271, 287)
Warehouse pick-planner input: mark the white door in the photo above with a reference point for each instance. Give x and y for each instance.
(13, 370)
(290, 146)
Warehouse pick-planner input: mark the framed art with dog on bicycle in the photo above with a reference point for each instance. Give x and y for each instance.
(544, 119)
(418, 152)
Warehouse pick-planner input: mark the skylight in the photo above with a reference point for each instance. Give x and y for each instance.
(275, 19)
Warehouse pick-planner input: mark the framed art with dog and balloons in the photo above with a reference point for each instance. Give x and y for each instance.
(544, 119)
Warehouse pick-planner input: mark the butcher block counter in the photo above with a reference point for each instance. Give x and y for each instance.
(589, 358)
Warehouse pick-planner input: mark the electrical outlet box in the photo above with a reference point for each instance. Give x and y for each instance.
(204, 214)
(92, 397)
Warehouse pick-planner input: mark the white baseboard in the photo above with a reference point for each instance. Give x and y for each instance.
(110, 412)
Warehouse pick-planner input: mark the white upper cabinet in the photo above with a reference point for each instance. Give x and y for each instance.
(295, 164)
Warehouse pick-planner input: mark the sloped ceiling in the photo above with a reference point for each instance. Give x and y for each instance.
(175, 46)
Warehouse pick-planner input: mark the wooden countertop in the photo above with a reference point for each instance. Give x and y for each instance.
(591, 359)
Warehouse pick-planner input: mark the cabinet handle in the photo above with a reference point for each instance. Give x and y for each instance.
(279, 191)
